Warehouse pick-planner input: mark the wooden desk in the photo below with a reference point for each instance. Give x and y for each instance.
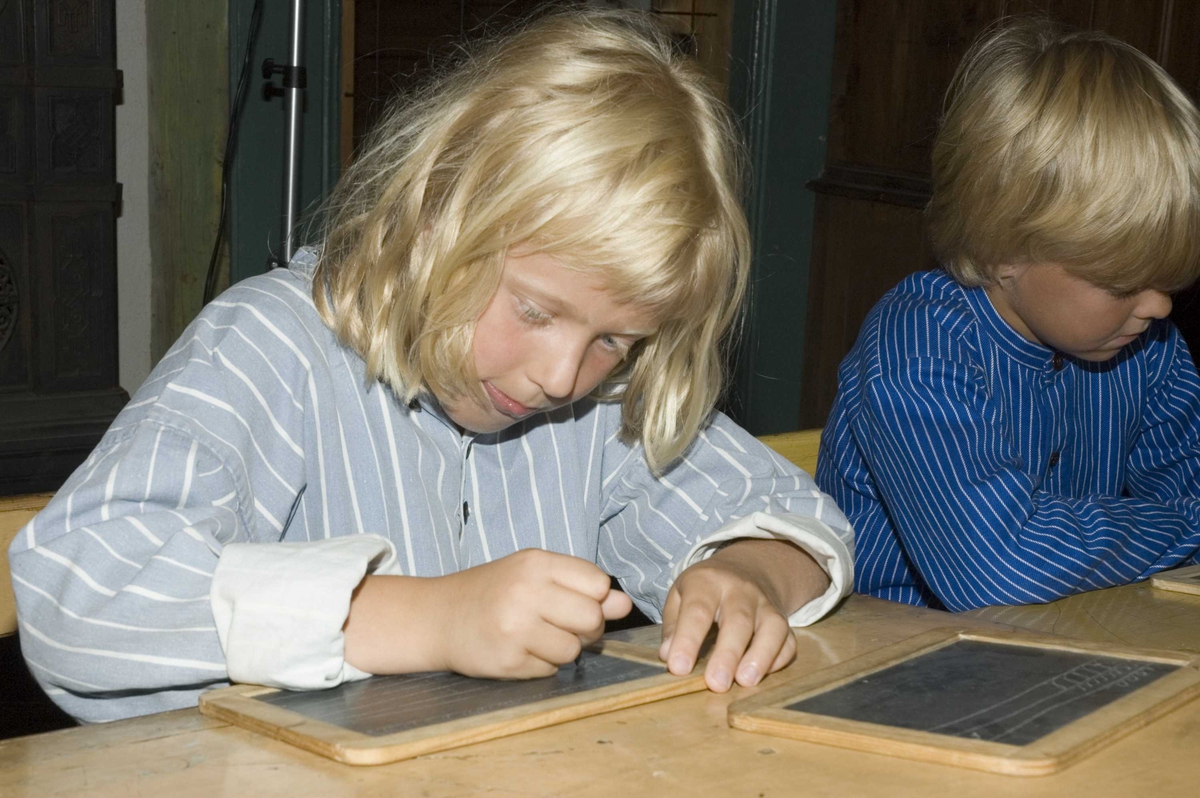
(676, 747)
(1136, 615)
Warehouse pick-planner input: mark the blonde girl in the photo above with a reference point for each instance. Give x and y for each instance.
(427, 443)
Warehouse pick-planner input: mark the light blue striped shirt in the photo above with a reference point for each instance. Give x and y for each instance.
(979, 468)
(259, 427)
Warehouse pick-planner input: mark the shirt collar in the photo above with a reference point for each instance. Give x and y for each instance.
(1011, 342)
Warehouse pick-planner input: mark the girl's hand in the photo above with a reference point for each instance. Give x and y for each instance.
(748, 588)
(518, 617)
(523, 615)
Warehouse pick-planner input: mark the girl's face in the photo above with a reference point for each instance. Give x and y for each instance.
(549, 336)
(1050, 306)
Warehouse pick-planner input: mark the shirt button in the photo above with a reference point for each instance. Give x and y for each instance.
(1057, 361)
(466, 512)
(1053, 459)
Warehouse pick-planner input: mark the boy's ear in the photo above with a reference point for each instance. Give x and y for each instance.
(1004, 272)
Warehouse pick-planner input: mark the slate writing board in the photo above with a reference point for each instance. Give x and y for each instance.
(987, 691)
(389, 704)
(388, 718)
(1006, 702)
(1180, 580)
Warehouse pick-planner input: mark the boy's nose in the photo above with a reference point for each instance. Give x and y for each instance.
(1154, 305)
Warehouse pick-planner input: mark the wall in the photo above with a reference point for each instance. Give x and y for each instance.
(133, 225)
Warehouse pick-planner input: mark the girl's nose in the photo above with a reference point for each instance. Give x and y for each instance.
(558, 370)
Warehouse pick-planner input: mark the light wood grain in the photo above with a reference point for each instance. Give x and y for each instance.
(679, 747)
(766, 713)
(800, 448)
(1134, 615)
(15, 513)
(238, 705)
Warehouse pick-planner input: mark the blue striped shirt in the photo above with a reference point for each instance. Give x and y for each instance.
(979, 468)
(259, 427)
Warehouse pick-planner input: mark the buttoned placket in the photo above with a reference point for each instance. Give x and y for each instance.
(1056, 370)
(465, 446)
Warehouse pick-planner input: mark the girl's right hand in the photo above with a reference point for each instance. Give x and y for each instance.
(518, 617)
(523, 615)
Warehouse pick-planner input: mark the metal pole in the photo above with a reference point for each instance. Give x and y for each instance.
(293, 100)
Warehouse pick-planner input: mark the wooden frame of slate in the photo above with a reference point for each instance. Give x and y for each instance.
(383, 719)
(1055, 701)
(1180, 580)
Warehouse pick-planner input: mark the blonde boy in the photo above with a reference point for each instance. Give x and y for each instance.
(1025, 423)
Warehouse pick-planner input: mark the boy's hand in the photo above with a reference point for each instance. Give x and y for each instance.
(514, 618)
(523, 615)
(749, 588)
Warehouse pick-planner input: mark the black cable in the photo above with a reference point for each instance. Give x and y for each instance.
(235, 116)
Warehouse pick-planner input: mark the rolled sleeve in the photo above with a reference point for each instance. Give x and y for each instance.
(815, 537)
(280, 608)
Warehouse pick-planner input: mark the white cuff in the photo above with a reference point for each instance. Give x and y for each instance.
(815, 537)
(280, 608)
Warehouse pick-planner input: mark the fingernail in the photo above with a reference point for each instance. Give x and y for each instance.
(679, 665)
(721, 680)
(749, 676)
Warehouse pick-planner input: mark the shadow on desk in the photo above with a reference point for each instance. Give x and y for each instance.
(24, 708)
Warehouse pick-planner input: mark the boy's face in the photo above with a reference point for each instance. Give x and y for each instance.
(549, 336)
(1050, 306)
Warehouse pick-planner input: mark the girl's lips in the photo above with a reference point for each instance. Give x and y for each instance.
(505, 403)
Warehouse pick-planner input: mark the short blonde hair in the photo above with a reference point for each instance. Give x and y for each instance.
(1070, 148)
(586, 136)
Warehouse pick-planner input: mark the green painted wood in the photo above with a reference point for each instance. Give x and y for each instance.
(186, 59)
(779, 87)
(256, 185)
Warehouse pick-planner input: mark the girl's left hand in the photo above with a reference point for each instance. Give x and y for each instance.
(748, 588)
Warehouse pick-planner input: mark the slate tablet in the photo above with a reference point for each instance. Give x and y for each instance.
(388, 718)
(1014, 703)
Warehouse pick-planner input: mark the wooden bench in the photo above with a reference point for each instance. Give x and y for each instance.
(799, 447)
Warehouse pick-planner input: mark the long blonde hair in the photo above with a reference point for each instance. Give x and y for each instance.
(584, 136)
(1072, 148)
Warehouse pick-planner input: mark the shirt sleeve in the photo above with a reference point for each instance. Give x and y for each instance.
(112, 578)
(726, 486)
(978, 529)
(1164, 463)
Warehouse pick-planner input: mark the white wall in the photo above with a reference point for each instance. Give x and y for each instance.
(133, 173)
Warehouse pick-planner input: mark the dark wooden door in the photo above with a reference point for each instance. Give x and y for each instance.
(58, 197)
(892, 62)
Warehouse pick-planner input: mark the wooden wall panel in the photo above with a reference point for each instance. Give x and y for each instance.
(848, 291)
(893, 60)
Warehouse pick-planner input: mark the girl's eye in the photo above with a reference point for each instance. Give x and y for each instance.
(615, 345)
(532, 314)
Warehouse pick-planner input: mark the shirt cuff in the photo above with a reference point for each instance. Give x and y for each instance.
(280, 608)
(814, 536)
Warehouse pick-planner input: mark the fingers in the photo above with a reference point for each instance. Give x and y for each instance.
(787, 653)
(616, 605)
(772, 640)
(549, 648)
(693, 620)
(578, 575)
(670, 615)
(737, 628)
(572, 612)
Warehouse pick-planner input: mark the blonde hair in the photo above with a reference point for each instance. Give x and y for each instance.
(1069, 148)
(584, 136)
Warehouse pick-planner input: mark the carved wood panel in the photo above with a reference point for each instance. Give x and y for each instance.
(893, 60)
(58, 194)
